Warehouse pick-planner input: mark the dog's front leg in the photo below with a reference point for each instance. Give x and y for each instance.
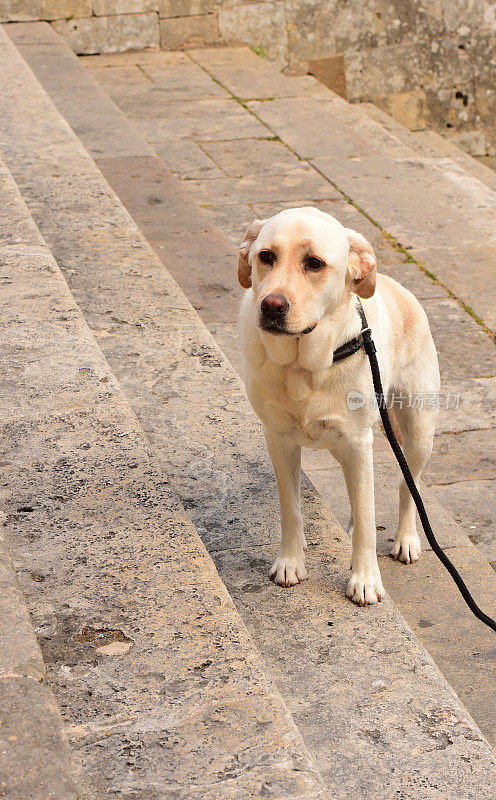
(365, 585)
(289, 566)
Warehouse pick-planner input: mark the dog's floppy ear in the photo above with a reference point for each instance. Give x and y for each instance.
(361, 264)
(244, 268)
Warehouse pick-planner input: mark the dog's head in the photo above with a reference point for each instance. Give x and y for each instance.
(301, 264)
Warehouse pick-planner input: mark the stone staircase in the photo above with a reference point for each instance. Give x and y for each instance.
(127, 437)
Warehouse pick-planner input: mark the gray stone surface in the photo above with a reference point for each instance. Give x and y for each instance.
(473, 505)
(47, 51)
(104, 7)
(349, 687)
(24, 10)
(477, 407)
(35, 754)
(143, 646)
(430, 144)
(425, 63)
(263, 25)
(194, 253)
(35, 758)
(205, 119)
(188, 31)
(350, 135)
(110, 34)
(463, 457)
(301, 180)
(447, 626)
(248, 76)
(183, 8)
(30, 10)
(134, 57)
(182, 82)
(20, 654)
(249, 157)
(466, 351)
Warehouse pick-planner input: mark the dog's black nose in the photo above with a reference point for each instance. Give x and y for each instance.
(274, 306)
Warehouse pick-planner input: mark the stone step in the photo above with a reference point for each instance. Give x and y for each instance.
(352, 678)
(440, 214)
(31, 727)
(462, 656)
(431, 144)
(161, 689)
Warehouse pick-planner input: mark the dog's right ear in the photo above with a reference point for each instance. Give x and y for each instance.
(361, 264)
(244, 268)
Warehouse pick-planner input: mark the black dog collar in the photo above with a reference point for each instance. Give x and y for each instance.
(351, 347)
(348, 348)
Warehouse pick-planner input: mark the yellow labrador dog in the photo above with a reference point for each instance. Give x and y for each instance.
(303, 271)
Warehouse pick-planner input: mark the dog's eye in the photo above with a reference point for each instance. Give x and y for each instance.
(266, 256)
(314, 264)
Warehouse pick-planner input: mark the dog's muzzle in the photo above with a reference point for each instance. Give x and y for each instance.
(273, 311)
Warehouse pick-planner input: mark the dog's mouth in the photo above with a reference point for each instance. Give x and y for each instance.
(271, 326)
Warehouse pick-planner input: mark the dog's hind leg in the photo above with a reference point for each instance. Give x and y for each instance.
(417, 430)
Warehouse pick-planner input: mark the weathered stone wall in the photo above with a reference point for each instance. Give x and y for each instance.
(429, 63)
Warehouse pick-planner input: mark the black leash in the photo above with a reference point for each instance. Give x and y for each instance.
(369, 347)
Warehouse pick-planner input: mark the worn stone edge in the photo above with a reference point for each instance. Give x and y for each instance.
(238, 621)
(214, 344)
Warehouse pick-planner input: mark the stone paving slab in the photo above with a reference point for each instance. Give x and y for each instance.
(232, 219)
(300, 180)
(48, 51)
(473, 505)
(240, 157)
(197, 417)
(135, 57)
(446, 625)
(182, 82)
(35, 753)
(189, 160)
(112, 79)
(142, 644)
(425, 594)
(431, 144)
(465, 350)
(428, 212)
(476, 410)
(460, 457)
(455, 268)
(35, 759)
(248, 76)
(349, 135)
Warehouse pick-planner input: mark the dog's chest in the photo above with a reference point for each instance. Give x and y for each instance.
(306, 406)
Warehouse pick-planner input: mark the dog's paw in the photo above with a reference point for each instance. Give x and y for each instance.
(365, 588)
(406, 549)
(288, 570)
